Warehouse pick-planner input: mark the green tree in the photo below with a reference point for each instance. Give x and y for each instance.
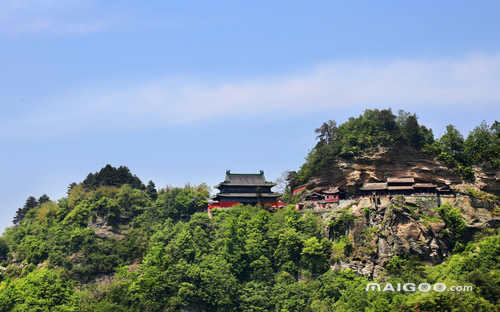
(327, 132)
(412, 132)
(43, 199)
(287, 253)
(455, 224)
(151, 191)
(315, 255)
(483, 145)
(261, 269)
(338, 227)
(41, 290)
(255, 297)
(4, 250)
(452, 147)
(31, 203)
(111, 176)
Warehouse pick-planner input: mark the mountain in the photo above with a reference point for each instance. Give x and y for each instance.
(378, 144)
(114, 244)
(350, 174)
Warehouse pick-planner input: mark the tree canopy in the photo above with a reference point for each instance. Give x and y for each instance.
(111, 176)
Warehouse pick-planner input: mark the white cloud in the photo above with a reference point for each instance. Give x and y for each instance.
(464, 84)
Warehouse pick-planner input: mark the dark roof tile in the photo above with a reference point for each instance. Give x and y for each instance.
(246, 179)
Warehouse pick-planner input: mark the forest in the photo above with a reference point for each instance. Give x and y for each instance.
(114, 243)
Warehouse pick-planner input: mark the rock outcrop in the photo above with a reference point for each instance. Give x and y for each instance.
(103, 230)
(488, 180)
(398, 162)
(403, 226)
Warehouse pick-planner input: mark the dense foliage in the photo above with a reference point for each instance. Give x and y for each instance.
(129, 249)
(381, 128)
(482, 147)
(111, 176)
(114, 244)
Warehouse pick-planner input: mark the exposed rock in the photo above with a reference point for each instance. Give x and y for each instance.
(408, 231)
(488, 180)
(103, 230)
(42, 265)
(437, 227)
(403, 228)
(76, 257)
(398, 162)
(367, 270)
(384, 251)
(377, 272)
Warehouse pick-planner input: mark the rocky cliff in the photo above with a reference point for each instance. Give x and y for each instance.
(398, 162)
(375, 230)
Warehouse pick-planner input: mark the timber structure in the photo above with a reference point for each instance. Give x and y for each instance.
(247, 189)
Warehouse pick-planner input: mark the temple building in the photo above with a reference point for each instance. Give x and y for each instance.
(330, 195)
(313, 196)
(378, 188)
(425, 188)
(400, 186)
(403, 186)
(246, 189)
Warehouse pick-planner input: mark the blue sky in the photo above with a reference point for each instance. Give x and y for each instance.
(180, 91)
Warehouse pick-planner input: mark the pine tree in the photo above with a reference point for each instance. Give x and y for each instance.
(412, 132)
(111, 176)
(43, 199)
(70, 187)
(151, 190)
(90, 182)
(4, 249)
(31, 202)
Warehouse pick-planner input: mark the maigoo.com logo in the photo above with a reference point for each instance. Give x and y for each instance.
(412, 287)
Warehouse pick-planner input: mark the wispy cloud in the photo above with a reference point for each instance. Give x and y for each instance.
(52, 17)
(461, 85)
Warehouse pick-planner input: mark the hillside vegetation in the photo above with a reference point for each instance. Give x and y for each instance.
(117, 244)
(244, 259)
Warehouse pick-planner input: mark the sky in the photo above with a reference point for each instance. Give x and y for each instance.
(180, 91)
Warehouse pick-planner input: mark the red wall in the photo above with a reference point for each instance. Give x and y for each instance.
(332, 198)
(226, 204)
(298, 189)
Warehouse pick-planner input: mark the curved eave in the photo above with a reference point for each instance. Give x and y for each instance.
(267, 184)
(248, 195)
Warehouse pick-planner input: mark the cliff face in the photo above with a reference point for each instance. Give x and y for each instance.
(377, 229)
(399, 162)
(403, 226)
(488, 180)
